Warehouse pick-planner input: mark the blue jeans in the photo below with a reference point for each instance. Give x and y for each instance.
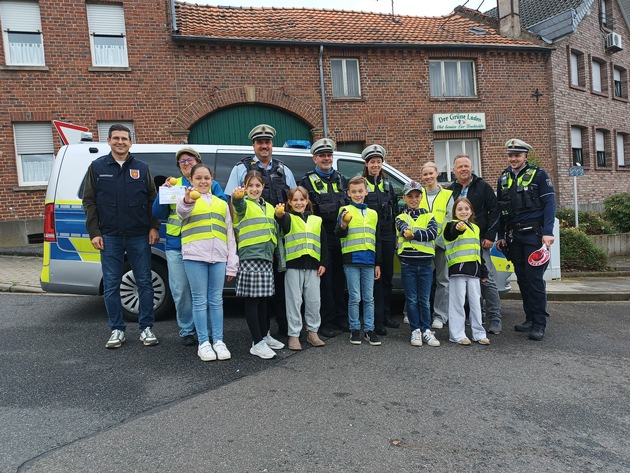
(417, 280)
(206, 285)
(112, 259)
(360, 281)
(180, 290)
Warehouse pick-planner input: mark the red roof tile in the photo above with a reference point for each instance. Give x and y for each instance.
(333, 27)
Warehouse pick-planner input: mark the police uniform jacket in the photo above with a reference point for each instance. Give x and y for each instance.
(484, 202)
(275, 179)
(384, 201)
(528, 204)
(117, 199)
(326, 202)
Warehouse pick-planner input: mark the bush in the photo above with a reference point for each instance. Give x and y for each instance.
(617, 211)
(591, 223)
(579, 253)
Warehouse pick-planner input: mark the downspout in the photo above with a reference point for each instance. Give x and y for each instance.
(321, 81)
(173, 20)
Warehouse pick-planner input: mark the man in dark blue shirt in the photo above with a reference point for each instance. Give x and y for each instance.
(527, 203)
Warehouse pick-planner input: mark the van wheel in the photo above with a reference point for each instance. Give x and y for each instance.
(162, 300)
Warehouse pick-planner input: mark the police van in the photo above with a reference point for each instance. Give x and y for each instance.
(72, 266)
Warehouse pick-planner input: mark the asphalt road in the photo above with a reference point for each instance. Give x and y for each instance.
(68, 404)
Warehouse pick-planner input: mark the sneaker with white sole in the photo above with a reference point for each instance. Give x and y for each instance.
(261, 350)
(429, 338)
(416, 338)
(437, 324)
(116, 339)
(272, 342)
(372, 338)
(222, 351)
(483, 341)
(205, 352)
(148, 337)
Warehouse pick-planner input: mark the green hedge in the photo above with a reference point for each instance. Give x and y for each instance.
(579, 253)
(617, 211)
(591, 223)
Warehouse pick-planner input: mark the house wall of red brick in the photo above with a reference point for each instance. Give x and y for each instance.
(580, 106)
(171, 85)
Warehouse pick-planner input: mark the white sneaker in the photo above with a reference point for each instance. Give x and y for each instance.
(222, 351)
(416, 338)
(272, 342)
(437, 324)
(148, 337)
(206, 353)
(405, 320)
(116, 339)
(261, 350)
(429, 338)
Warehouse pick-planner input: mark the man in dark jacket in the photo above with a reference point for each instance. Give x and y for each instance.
(117, 199)
(486, 209)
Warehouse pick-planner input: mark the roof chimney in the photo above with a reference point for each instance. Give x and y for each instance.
(509, 18)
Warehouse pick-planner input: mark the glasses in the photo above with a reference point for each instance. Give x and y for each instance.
(187, 161)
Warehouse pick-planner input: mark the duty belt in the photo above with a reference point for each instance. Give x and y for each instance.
(525, 226)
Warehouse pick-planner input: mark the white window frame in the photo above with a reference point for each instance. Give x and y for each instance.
(346, 85)
(442, 78)
(596, 76)
(33, 141)
(102, 128)
(600, 147)
(107, 23)
(621, 151)
(22, 18)
(469, 146)
(577, 143)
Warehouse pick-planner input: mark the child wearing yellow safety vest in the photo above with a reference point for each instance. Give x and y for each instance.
(209, 254)
(257, 234)
(306, 251)
(465, 270)
(358, 229)
(417, 229)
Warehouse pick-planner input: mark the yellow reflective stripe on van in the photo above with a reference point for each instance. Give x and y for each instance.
(45, 274)
(85, 249)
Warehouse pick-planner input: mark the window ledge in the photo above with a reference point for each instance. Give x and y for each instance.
(41, 187)
(348, 99)
(23, 68)
(601, 94)
(450, 99)
(621, 99)
(108, 69)
(623, 168)
(577, 87)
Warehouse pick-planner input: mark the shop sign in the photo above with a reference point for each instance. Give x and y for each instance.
(459, 121)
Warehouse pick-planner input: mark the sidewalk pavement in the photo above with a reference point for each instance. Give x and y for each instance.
(20, 269)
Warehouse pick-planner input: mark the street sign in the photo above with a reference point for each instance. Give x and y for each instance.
(576, 171)
(69, 132)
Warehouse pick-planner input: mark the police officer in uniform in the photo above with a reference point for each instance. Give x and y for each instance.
(383, 200)
(278, 179)
(327, 193)
(527, 203)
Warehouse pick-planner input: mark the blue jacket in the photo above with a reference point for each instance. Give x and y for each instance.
(117, 199)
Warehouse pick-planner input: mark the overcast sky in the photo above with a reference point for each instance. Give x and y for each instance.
(401, 7)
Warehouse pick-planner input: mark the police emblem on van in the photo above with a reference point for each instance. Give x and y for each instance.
(134, 173)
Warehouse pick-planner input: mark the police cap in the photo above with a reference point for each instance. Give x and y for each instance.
(262, 132)
(373, 151)
(323, 146)
(515, 145)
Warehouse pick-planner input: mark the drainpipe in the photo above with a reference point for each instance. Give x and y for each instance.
(173, 19)
(321, 81)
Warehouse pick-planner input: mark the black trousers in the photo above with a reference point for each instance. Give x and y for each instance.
(530, 278)
(256, 316)
(383, 286)
(334, 309)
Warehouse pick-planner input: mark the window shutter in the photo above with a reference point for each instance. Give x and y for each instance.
(599, 141)
(33, 138)
(616, 74)
(106, 19)
(576, 137)
(575, 76)
(20, 16)
(621, 153)
(597, 76)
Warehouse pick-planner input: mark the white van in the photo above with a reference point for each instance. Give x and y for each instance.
(72, 266)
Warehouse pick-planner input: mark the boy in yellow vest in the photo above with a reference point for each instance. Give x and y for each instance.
(357, 227)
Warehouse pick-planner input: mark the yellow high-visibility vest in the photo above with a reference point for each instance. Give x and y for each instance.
(256, 226)
(304, 237)
(361, 230)
(206, 221)
(439, 207)
(174, 223)
(422, 222)
(465, 247)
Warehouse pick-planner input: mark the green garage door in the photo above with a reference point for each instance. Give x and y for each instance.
(230, 126)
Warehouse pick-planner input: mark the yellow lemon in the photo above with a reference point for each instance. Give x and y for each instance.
(173, 181)
(194, 195)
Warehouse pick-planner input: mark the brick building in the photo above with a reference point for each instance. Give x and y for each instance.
(425, 88)
(589, 93)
